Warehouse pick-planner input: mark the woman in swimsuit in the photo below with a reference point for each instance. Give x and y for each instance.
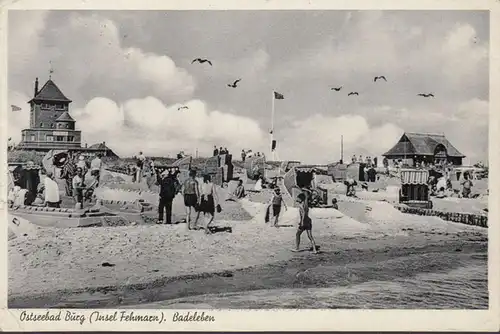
(305, 223)
(209, 200)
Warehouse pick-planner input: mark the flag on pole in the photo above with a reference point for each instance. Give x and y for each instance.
(273, 145)
(278, 96)
(15, 108)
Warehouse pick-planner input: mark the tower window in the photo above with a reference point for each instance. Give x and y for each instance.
(32, 137)
(59, 107)
(59, 138)
(71, 138)
(41, 125)
(59, 125)
(52, 125)
(67, 126)
(45, 106)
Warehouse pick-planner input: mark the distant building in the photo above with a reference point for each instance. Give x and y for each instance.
(51, 125)
(415, 148)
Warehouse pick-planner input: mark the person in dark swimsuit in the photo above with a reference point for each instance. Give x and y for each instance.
(191, 193)
(305, 223)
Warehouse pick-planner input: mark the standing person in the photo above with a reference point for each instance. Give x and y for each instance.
(354, 159)
(78, 187)
(375, 162)
(276, 202)
(95, 168)
(305, 224)
(168, 189)
(243, 155)
(191, 193)
(216, 151)
(466, 186)
(140, 164)
(51, 191)
(82, 164)
(208, 201)
(68, 171)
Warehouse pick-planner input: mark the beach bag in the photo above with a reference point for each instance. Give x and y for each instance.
(218, 208)
(268, 213)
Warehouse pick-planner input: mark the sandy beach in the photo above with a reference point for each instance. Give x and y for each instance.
(51, 267)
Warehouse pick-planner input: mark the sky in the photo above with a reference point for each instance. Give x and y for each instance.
(128, 72)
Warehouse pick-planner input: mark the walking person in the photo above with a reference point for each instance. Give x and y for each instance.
(276, 203)
(191, 193)
(305, 224)
(243, 155)
(168, 189)
(208, 201)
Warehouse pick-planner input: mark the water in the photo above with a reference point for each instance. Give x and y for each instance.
(463, 287)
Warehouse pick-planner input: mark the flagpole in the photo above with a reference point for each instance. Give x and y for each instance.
(272, 127)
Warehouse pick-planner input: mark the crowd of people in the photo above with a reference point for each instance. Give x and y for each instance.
(42, 188)
(199, 199)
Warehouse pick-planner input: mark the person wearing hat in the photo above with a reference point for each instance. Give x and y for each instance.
(168, 189)
(276, 203)
(78, 187)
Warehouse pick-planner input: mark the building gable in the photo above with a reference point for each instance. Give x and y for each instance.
(422, 144)
(50, 93)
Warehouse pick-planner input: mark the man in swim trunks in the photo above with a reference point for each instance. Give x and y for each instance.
(191, 193)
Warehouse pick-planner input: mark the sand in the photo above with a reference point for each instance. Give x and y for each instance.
(70, 259)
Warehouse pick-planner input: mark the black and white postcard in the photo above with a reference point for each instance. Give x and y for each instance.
(263, 165)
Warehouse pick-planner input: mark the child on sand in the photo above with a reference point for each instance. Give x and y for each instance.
(305, 224)
(276, 203)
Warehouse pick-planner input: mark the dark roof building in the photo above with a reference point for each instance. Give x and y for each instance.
(51, 125)
(424, 147)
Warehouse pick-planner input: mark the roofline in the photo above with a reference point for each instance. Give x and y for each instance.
(52, 100)
(425, 134)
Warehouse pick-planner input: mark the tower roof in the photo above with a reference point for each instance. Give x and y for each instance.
(50, 92)
(65, 117)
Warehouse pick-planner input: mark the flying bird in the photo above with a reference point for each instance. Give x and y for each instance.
(201, 61)
(337, 89)
(183, 107)
(353, 93)
(426, 95)
(234, 84)
(380, 77)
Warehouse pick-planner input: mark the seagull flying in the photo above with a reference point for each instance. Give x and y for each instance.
(234, 84)
(183, 107)
(380, 77)
(337, 89)
(426, 95)
(353, 93)
(201, 61)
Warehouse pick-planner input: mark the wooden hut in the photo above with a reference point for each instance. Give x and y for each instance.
(414, 190)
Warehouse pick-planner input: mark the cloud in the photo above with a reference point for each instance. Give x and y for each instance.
(149, 125)
(317, 139)
(86, 52)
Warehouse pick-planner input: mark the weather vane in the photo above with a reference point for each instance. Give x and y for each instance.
(51, 70)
